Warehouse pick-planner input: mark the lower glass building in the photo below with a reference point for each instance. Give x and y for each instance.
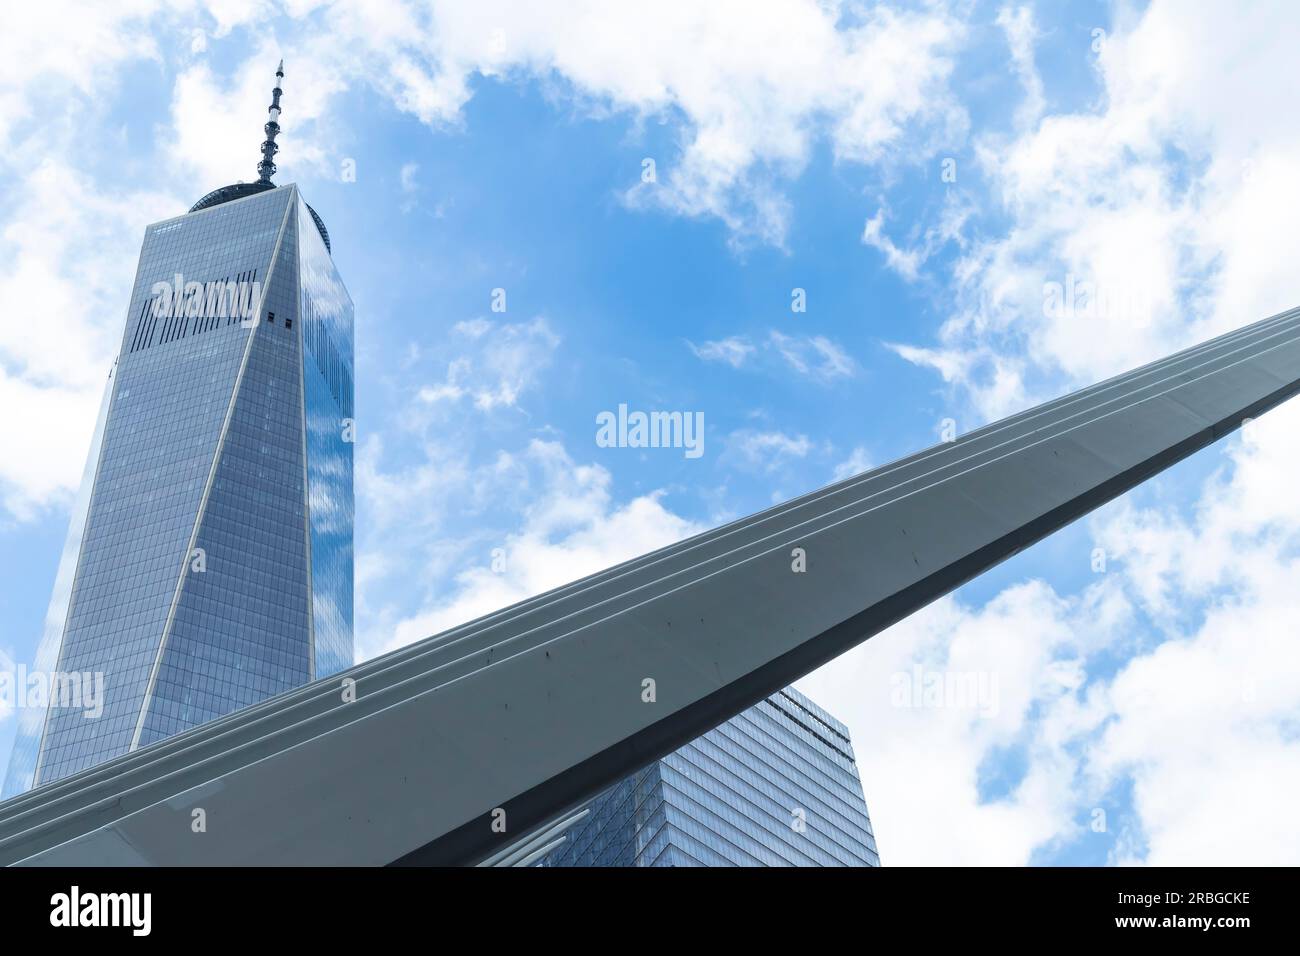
(776, 785)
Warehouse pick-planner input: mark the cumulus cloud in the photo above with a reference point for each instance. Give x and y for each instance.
(62, 289)
(1194, 717)
(753, 87)
(1207, 719)
(1140, 226)
(66, 52)
(215, 122)
(407, 176)
(922, 759)
(1146, 224)
(572, 526)
(752, 90)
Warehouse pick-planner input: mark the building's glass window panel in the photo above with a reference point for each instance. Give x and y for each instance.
(676, 854)
(326, 326)
(775, 783)
(621, 825)
(806, 773)
(774, 786)
(769, 821)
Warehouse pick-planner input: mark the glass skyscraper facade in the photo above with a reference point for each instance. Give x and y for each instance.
(776, 785)
(209, 561)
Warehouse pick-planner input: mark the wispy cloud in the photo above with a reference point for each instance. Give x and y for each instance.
(762, 451)
(734, 350)
(500, 363)
(857, 462)
(813, 356)
(909, 260)
(1022, 33)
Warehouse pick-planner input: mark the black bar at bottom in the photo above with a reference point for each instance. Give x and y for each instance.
(487, 908)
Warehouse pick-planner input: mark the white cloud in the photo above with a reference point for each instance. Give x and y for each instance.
(753, 89)
(765, 451)
(1204, 727)
(1021, 32)
(571, 527)
(1205, 724)
(506, 361)
(908, 260)
(992, 382)
(952, 364)
(754, 86)
(410, 186)
(921, 763)
(66, 53)
(857, 462)
(63, 285)
(734, 350)
(407, 176)
(1172, 198)
(216, 125)
(815, 356)
(1169, 204)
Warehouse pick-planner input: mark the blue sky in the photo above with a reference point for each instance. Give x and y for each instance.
(1144, 712)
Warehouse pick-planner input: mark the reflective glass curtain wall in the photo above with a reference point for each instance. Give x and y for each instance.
(776, 785)
(327, 334)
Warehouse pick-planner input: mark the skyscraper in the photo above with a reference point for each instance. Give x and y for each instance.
(209, 561)
(774, 786)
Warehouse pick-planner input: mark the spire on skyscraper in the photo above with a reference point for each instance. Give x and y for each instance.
(266, 168)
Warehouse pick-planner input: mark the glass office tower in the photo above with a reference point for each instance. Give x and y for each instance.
(209, 562)
(774, 786)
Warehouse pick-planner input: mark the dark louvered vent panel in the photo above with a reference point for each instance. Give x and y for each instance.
(170, 316)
